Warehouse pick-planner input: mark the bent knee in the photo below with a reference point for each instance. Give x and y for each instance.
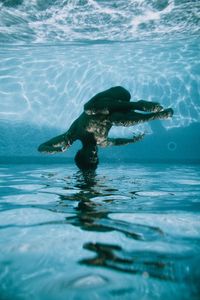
(121, 93)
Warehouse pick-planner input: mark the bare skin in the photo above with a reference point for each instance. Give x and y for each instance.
(106, 109)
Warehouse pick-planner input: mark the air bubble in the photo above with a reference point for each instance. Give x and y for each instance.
(172, 146)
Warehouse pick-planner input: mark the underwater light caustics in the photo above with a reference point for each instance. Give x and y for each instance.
(149, 47)
(39, 86)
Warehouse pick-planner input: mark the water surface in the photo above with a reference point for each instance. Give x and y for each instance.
(124, 232)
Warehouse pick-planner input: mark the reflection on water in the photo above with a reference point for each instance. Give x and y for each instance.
(127, 231)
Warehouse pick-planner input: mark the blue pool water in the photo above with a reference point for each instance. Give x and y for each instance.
(132, 229)
(126, 232)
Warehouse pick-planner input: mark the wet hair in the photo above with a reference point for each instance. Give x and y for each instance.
(87, 159)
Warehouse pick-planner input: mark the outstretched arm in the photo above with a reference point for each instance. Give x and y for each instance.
(57, 144)
(122, 141)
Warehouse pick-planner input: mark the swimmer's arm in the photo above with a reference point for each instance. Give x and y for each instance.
(57, 144)
(122, 141)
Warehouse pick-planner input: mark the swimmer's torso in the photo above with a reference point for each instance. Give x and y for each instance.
(96, 126)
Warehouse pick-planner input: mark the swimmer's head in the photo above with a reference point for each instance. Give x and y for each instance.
(87, 159)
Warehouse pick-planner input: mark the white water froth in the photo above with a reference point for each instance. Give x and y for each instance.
(76, 20)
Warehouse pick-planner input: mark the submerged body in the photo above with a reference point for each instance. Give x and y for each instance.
(108, 108)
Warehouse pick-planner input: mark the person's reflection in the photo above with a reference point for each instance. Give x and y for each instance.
(92, 210)
(86, 179)
(89, 211)
(93, 216)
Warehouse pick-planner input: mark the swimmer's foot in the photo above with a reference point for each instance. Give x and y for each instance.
(149, 106)
(165, 114)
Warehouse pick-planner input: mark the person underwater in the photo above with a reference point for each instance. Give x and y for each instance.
(109, 108)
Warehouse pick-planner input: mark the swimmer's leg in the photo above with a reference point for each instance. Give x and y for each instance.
(148, 106)
(106, 106)
(133, 118)
(108, 101)
(114, 94)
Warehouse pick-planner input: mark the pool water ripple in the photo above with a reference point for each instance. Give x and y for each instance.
(67, 234)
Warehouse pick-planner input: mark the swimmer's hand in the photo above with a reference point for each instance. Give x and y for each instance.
(122, 141)
(137, 138)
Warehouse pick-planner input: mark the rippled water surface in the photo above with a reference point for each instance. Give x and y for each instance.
(124, 232)
(23, 21)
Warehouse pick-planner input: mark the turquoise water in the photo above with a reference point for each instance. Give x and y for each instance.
(124, 232)
(131, 230)
(44, 87)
